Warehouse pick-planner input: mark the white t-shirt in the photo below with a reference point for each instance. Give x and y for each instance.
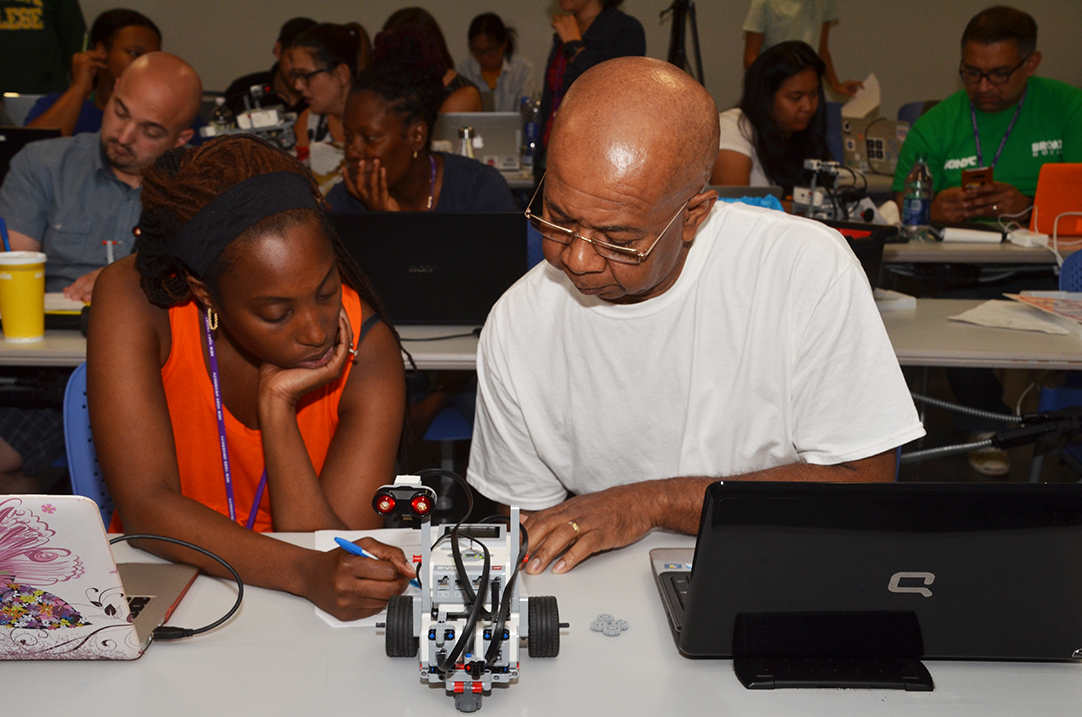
(736, 136)
(782, 20)
(767, 350)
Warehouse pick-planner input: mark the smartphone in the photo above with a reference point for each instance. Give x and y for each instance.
(979, 177)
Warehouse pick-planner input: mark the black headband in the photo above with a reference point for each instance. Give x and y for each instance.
(236, 209)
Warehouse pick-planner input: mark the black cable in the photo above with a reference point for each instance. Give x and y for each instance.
(504, 610)
(471, 621)
(166, 632)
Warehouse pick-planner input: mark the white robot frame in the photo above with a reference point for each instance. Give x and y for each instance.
(434, 622)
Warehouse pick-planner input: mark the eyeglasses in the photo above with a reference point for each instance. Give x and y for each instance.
(612, 252)
(305, 77)
(973, 76)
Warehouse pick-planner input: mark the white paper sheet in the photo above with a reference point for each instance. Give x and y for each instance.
(407, 539)
(1011, 315)
(865, 100)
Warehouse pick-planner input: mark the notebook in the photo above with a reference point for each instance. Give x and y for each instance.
(497, 136)
(797, 573)
(13, 139)
(61, 595)
(431, 268)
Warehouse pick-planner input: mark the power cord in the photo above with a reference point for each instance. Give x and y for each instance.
(168, 632)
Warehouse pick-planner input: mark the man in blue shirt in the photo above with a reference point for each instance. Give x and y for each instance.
(69, 196)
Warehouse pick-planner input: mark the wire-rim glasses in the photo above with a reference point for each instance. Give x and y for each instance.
(612, 252)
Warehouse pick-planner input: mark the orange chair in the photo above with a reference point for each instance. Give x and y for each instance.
(1059, 190)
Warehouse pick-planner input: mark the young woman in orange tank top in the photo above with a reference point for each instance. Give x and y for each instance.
(239, 379)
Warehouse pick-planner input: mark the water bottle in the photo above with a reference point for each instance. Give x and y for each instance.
(531, 134)
(917, 202)
(465, 141)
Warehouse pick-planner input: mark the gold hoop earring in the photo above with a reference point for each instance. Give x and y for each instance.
(415, 154)
(212, 319)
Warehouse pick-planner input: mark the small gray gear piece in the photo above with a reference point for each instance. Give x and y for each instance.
(612, 630)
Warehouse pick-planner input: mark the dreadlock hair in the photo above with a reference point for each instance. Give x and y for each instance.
(183, 181)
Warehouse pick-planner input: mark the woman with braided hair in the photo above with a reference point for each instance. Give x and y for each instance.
(240, 379)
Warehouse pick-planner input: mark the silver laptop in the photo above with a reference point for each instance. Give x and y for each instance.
(62, 597)
(871, 144)
(808, 584)
(497, 136)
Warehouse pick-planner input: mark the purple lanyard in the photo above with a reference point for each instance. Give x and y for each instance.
(977, 136)
(221, 438)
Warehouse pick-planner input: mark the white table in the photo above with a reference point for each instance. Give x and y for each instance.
(926, 337)
(277, 658)
(921, 337)
(963, 253)
(68, 348)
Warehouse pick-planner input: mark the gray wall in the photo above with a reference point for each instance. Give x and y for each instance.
(911, 45)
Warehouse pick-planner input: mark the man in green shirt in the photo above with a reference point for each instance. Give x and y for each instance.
(1005, 118)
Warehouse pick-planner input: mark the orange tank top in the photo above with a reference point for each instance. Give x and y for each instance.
(190, 396)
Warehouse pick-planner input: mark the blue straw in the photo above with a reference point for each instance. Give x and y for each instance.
(4, 234)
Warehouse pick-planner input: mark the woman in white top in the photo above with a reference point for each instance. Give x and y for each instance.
(780, 121)
(493, 63)
(326, 58)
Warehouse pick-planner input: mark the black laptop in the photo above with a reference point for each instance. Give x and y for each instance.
(852, 585)
(433, 268)
(13, 139)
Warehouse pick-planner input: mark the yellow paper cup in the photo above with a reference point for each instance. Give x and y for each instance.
(22, 295)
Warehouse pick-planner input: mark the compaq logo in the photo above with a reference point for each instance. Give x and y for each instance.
(422, 268)
(896, 586)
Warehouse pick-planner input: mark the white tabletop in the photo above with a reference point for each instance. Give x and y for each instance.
(963, 253)
(926, 336)
(276, 657)
(921, 337)
(68, 348)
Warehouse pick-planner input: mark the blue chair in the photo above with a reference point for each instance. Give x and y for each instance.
(1070, 394)
(534, 253)
(449, 426)
(834, 131)
(910, 112)
(86, 478)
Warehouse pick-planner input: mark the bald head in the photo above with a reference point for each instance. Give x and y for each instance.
(165, 80)
(635, 117)
(150, 111)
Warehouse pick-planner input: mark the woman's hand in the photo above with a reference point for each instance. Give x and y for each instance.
(351, 586)
(369, 186)
(290, 384)
(567, 27)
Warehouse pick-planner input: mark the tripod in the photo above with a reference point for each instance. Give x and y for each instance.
(682, 11)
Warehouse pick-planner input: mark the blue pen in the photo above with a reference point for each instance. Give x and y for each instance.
(4, 234)
(358, 550)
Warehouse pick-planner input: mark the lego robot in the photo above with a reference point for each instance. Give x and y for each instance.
(468, 619)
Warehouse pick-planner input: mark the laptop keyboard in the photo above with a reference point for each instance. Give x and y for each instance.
(136, 605)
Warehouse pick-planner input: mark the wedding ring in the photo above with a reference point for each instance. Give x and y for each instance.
(575, 525)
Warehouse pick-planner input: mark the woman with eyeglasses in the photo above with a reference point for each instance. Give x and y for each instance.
(780, 121)
(325, 59)
(493, 63)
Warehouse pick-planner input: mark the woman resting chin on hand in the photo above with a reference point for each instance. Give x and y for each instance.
(241, 303)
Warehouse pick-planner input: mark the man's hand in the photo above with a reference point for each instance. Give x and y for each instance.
(83, 287)
(85, 67)
(609, 519)
(991, 200)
